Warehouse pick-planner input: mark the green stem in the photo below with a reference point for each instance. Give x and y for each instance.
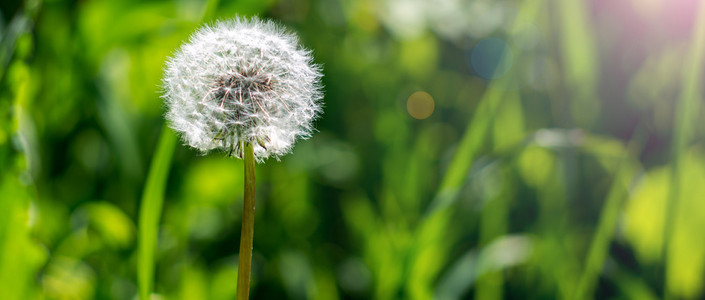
(248, 226)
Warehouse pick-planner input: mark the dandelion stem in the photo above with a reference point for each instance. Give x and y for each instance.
(248, 226)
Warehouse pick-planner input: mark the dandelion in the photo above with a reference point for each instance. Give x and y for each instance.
(244, 86)
(242, 81)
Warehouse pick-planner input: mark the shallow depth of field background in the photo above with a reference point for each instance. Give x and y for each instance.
(469, 149)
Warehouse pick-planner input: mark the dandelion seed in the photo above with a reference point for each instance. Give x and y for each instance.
(242, 81)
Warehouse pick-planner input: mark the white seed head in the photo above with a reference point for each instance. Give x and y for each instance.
(242, 81)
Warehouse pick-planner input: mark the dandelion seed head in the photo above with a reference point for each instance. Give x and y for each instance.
(243, 80)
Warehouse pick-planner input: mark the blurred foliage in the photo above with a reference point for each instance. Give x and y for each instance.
(555, 151)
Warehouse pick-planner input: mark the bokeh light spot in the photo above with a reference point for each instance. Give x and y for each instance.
(420, 105)
(491, 58)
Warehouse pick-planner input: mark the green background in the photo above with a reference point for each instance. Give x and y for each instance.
(563, 157)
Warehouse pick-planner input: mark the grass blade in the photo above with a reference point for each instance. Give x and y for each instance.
(687, 110)
(150, 210)
(599, 247)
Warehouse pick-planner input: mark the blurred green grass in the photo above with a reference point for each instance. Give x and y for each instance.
(575, 173)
